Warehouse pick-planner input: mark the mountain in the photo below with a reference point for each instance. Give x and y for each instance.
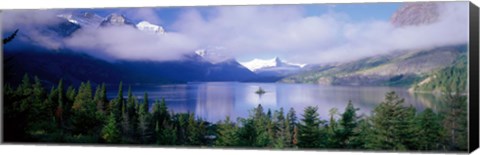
(416, 13)
(396, 69)
(272, 69)
(211, 55)
(74, 67)
(149, 27)
(423, 69)
(116, 20)
(26, 54)
(259, 64)
(192, 68)
(85, 19)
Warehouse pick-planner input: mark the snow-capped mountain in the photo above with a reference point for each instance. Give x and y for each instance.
(149, 27)
(116, 20)
(259, 64)
(85, 19)
(212, 55)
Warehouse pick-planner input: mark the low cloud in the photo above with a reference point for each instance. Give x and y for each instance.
(247, 31)
(31, 23)
(126, 42)
(330, 37)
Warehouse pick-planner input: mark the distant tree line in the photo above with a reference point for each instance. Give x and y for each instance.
(452, 78)
(85, 115)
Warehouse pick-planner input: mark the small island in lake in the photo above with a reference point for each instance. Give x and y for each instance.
(260, 91)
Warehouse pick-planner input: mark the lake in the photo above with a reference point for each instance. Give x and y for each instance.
(213, 101)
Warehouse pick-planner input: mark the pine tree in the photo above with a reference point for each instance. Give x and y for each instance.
(390, 123)
(117, 106)
(247, 134)
(131, 112)
(309, 134)
(59, 112)
(83, 100)
(332, 130)
(100, 98)
(69, 99)
(85, 119)
(193, 131)
(280, 130)
(262, 125)
(292, 122)
(409, 129)
(144, 121)
(110, 132)
(348, 123)
(288, 134)
(455, 121)
(127, 133)
(363, 135)
(430, 130)
(227, 133)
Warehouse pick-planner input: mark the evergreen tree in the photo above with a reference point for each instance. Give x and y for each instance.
(262, 126)
(144, 121)
(409, 129)
(292, 122)
(455, 121)
(85, 118)
(288, 134)
(227, 133)
(390, 121)
(247, 134)
(127, 133)
(430, 130)
(332, 130)
(59, 112)
(131, 112)
(280, 130)
(364, 135)
(167, 136)
(100, 98)
(348, 123)
(83, 100)
(117, 106)
(309, 134)
(110, 132)
(194, 136)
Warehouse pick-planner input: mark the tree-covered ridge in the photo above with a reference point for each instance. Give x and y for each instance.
(85, 115)
(451, 77)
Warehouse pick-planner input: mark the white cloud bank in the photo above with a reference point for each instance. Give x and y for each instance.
(274, 30)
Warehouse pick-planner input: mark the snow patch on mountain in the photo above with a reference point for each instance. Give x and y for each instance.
(258, 64)
(83, 19)
(149, 27)
(212, 55)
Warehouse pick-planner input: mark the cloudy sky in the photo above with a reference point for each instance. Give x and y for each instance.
(297, 33)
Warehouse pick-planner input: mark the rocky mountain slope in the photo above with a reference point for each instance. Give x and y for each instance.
(398, 69)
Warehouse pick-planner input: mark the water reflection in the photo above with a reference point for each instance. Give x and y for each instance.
(216, 100)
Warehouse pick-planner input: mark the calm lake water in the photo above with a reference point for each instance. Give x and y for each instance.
(213, 101)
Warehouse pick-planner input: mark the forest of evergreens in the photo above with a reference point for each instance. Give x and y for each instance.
(85, 115)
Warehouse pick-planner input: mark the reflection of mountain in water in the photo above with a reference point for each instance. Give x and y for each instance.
(214, 100)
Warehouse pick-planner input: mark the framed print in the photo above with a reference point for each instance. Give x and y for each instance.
(391, 76)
